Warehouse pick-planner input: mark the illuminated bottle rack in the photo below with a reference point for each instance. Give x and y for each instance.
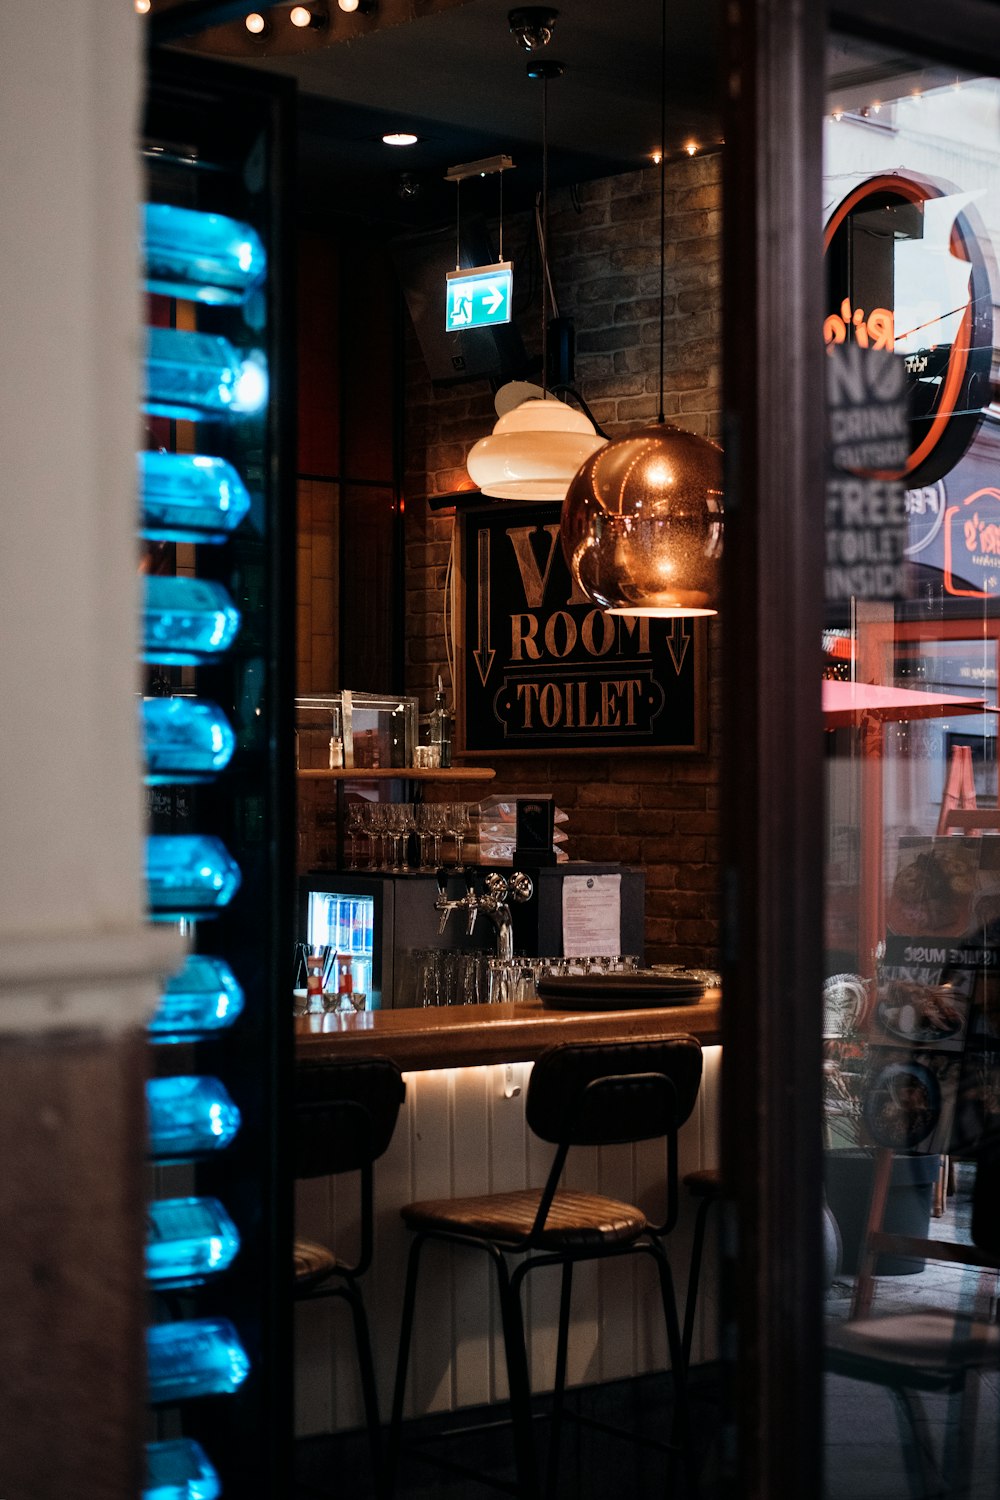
(215, 507)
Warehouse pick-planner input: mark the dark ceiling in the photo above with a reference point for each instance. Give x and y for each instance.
(451, 71)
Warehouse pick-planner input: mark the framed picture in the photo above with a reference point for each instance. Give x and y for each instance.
(539, 667)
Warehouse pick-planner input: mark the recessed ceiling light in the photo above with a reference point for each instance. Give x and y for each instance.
(400, 138)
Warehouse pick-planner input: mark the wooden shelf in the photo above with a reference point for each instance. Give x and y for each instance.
(401, 773)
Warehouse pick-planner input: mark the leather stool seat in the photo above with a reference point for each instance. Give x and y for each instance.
(573, 1219)
(705, 1183)
(311, 1262)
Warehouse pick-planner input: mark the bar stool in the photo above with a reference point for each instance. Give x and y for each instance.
(345, 1114)
(705, 1186)
(579, 1094)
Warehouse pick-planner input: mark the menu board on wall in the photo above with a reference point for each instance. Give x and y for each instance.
(539, 667)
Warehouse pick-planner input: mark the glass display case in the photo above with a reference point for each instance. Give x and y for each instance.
(215, 717)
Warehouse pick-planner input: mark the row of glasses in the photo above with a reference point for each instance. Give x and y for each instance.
(386, 828)
(450, 976)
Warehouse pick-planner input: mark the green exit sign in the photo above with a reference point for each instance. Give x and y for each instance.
(479, 297)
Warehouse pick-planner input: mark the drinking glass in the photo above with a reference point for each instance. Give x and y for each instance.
(356, 829)
(457, 825)
(436, 828)
(378, 826)
(408, 821)
(424, 826)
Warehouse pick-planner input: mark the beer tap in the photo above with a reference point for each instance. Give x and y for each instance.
(469, 903)
(501, 890)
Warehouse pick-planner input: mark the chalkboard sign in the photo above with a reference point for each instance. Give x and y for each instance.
(539, 667)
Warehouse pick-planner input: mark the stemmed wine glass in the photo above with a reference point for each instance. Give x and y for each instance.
(436, 828)
(378, 827)
(408, 825)
(356, 828)
(423, 823)
(456, 825)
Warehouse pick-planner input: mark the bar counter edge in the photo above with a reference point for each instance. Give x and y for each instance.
(472, 1035)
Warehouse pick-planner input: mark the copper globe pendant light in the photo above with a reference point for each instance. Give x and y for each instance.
(642, 520)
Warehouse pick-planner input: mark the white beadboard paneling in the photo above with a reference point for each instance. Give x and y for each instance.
(476, 1092)
(458, 1133)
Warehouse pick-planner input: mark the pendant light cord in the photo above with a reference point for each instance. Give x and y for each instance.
(663, 193)
(545, 234)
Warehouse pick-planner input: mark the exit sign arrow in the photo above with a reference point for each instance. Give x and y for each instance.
(479, 297)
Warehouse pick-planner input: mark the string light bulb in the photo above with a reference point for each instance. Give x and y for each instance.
(256, 24)
(348, 5)
(302, 16)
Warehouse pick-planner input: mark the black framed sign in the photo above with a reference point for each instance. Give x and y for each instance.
(539, 667)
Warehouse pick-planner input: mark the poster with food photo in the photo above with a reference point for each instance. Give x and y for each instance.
(909, 1098)
(923, 1006)
(935, 887)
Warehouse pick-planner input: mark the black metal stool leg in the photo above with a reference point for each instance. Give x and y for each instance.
(369, 1390)
(680, 1426)
(517, 1378)
(558, 1393)
(694, 1276)
(391, 1461)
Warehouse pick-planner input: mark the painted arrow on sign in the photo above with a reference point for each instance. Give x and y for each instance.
(678, 642)
(483, 654)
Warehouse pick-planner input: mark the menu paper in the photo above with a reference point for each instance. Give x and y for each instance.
(591, 914)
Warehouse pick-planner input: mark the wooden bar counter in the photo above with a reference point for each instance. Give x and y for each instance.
(461, 1036)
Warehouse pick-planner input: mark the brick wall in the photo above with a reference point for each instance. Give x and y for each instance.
(661, 811)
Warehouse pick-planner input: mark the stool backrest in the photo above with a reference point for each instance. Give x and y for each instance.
(345, 1114)
(605, 1093)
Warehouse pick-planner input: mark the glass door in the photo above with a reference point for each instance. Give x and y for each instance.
(911, 1005)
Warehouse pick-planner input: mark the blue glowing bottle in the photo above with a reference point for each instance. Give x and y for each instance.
(189, 497)
(189, 1116)
(184, 740)
(200, 1357)
(188, 1240)
(190, 376)
(188, 875)
(202, 998)
(178, 1470)
(186, 621)
(203, 257)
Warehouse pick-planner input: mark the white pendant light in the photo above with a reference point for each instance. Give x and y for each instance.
(539, 442)
(533, 451)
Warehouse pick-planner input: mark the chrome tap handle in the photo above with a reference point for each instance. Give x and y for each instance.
(442, 903)
(520, 886)
(496, 888)
(471, 902)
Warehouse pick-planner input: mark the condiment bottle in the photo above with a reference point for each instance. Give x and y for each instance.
(345, 981)
(314, 983)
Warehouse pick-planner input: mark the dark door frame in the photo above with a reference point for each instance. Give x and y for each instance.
(772, 797)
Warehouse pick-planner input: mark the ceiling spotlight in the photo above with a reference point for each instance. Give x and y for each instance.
(256, 25)
(532, 26)
(400, 138)
(142, 7)
(302, 16)
(656, 157)
(365, 7)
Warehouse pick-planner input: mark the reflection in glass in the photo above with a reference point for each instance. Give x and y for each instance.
(186, 621)
(188, 1116)
(185, 740)
(206, 257)
(201, 998)
(187, 1240)
(188, 875)
(200, 1357)
(190, 376)
(179, 1470)
(189, 497)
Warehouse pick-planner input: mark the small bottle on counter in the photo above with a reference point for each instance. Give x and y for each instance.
(345, 981)
(440, 726)
(314, 984)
